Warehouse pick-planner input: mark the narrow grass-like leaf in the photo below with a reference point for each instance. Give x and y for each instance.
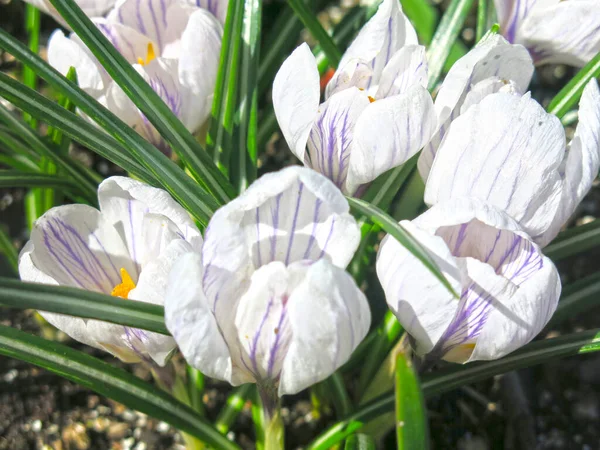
(198, 202)
(87, 187)
(424, 17)
(576, 298)
(571, 93)
(335, 389)
(233, 407)
(82, 303)
(360, 441)
(390, 226)
(109, 381)
(411, 414)
(13, 179)
(32, 25)
(196, 388)
(482, 19)
(448, 379)
(243, 164)
(147, 100)
(220, 136)
(9, 250)
(574, 241)
(309, 19)
(14, 145)
(383, 190)
(445, 36)
(19, 163)
(386, 336)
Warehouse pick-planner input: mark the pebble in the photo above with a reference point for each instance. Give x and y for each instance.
(163, 427)
(36, 426)
(10, 376)
(118, 430)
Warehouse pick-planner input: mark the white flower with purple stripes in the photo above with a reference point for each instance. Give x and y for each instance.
(554, 31)
(494, 65)
(268, 300)
(377, 111)
(508, 151)
(125, 249)
(508, 289)
(173, 44)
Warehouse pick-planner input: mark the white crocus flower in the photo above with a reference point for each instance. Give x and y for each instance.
(125, 249)
(174, 45)
(554, 31)
(492, 66)
(92, 8)
(377, 111)
(268, 300)
(509, 152)
(508, 289)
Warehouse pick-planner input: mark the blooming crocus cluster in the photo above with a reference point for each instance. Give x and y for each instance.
(554, 31)
(125, 249)
(502, 184)
(377, 111)
(267, 300)
(173, 44)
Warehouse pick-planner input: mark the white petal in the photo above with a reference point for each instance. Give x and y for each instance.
(64, 53)
(330, 141)
(567, 32)
(124, 202)
(388, 133)
(487, 87)
(217, 8)
(421, 303)
(189, 318)
(132, 44)
(582, 161)
(72, 326)
(521, 316)
(329, 316)
(296, 98)
(76, 246)
(198, 52)
(384, 34)
(511, 14)
(407, 68)
(291, 215)
(505, 150)
(148, 18)
(263, 325)
(91, 8)
(491, 57)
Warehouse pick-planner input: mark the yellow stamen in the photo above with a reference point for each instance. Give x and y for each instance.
(150, 55)
(122, 289)
(371, 99)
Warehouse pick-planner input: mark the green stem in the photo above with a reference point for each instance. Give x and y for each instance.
(274, 429)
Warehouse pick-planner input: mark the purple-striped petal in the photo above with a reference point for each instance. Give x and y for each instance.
(330, 141)
(388, 133)
(217, 8)
(505, 150)
(132, 44)
(328, 317)
(407, 68)
(566, 32)
(512, 13)
(76, 246)
(378, 41)
(493, 57)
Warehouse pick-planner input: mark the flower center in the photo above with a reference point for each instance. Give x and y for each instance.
(150, 55)
(122, 289)
(371, 99)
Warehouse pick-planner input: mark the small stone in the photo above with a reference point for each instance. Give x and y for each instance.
(128, 415)
(75, 437)
(163, 427)
(140, 446)
(117, 430)
(100, 424)
(36, 426)
(128, 443)
(10, 376)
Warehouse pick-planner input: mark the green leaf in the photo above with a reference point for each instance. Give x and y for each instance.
(19, 163)
(14, 179)
(220, 136)
(109, 381)
(81, 303)
(335, 390)
(423, 15)
(411, 413)
(445, 36)
(390, 226)
(383, 190)
(360, 441)
(483, 13)
(32, 25)
(309, 19)
(243, 167)
(577, 298)
(386, 336)
(149, 102)
(571, 93)
(8, 249)
(574, 241)
(233, 407)
(457, 375)
(192, 197)
(86, 186)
